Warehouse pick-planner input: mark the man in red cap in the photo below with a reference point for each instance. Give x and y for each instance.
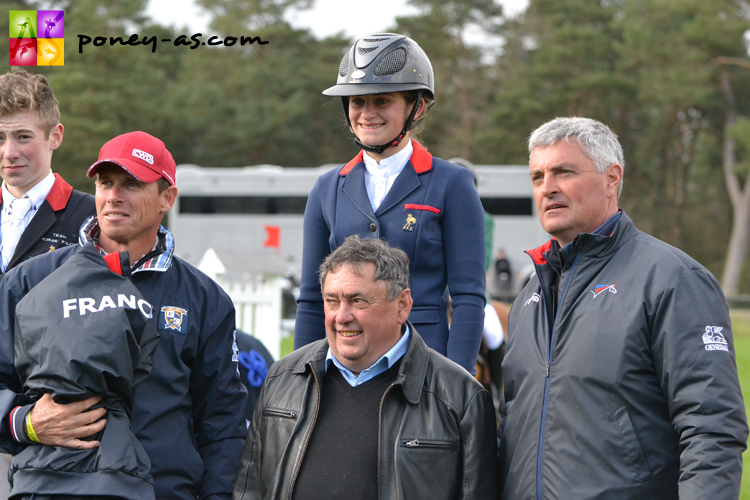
(188, 414)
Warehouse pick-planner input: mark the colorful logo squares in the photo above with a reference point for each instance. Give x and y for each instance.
(36, 38)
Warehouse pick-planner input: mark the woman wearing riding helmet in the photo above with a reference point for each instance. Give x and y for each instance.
(395, 190)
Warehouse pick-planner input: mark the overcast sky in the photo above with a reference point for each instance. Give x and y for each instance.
(327, 17)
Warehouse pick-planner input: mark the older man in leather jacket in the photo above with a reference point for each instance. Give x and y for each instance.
(369, 412)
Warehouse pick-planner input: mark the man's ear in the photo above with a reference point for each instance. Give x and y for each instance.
(405, 302)
(614, 178)
(57, 136)
(168, 197)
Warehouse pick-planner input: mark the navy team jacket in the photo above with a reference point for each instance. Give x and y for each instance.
(188, 413)
(433, 213)
(86, 330)
(56, 223)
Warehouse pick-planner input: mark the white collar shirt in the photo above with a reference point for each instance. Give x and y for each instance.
(379, 177)
(36, 194)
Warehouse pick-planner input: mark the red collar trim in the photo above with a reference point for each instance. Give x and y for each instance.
(59, 194)
(420, 158)
(537, 254)
(353, 163)
(113, 262)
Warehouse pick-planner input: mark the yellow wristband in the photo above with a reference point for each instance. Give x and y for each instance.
(30, 429)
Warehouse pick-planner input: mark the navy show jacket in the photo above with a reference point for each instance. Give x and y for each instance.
(433, 213)
(56, 223)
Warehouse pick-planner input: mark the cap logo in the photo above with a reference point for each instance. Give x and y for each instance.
(143, 156)
(358, 75)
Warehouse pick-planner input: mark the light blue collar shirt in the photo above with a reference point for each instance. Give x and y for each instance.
(385, 362)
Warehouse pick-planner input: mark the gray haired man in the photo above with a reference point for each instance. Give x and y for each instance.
(369, 412)
(620, 374)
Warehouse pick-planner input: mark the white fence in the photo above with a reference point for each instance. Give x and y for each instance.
(256, 298)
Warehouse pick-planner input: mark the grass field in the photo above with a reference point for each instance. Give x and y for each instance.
(741, 332)
(287, 344)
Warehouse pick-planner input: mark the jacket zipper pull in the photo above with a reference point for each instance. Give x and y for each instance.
(547, 370)
(413, 443)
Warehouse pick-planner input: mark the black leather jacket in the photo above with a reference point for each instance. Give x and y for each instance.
(437, 429)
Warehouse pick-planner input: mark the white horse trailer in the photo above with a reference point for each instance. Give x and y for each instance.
(259, 211)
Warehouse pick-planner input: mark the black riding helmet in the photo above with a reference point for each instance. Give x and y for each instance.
(382, 63)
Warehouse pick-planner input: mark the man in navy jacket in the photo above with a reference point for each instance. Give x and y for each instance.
(188, 414)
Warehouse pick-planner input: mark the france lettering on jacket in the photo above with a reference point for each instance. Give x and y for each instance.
(86, 305)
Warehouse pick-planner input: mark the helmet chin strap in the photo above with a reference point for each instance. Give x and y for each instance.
(395, 142)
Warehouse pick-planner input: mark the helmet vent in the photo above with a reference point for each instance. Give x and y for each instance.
(374, 40)
(365, 50)
(393, 62)
(344, 68)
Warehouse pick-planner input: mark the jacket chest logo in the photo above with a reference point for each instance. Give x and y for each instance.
(534, 298)
(411, 221)
(173, 318)
(600, 289)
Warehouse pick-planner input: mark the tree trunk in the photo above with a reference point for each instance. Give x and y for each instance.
(738, 243)
(740, 198)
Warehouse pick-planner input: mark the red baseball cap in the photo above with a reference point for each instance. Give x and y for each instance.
(140, 154)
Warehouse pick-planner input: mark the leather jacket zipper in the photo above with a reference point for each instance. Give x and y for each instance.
(278, 412)
(427, 443)
(380, 425)
(298, 465)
